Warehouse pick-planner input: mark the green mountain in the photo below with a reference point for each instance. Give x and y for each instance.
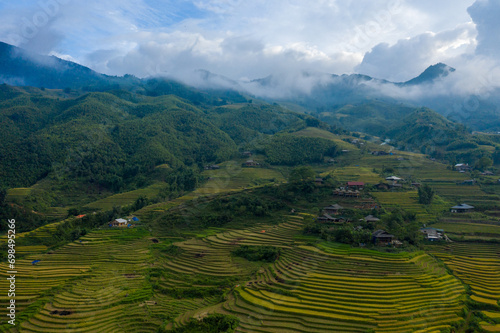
(24, 68)
(424, 127)
(116, 139)
(373, 117)
(432, 73)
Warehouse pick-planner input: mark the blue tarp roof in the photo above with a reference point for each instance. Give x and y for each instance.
(135, 219)
(35, 261)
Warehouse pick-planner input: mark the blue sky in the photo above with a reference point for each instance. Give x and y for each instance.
(243, 40)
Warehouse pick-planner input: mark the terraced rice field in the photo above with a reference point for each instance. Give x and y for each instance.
(472, 195)
(336, 290)
(477, 265)
(92, 286)
(41, 233)
(127, 198)
(409, 202)
(456, 229)
(354, 173)
(18, 194)
(231, 177)
(211, 255)
(328, 292)
(414, 166)
(100, 284)
(314, 132)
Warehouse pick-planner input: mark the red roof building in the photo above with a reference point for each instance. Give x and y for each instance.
(356, 184)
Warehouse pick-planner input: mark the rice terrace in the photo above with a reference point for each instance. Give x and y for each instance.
(216, 166)
(159, 275)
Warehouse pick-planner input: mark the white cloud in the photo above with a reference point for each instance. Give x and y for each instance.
(409, 57)
(485, 14)
(394, 39)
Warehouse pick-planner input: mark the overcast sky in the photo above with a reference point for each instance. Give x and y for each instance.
(388, 39)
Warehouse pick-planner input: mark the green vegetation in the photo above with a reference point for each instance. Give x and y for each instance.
(257, 253)
(293, 150)
(214, 323)
(425, 195)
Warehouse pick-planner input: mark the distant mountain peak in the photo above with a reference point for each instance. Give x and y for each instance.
(431, 74)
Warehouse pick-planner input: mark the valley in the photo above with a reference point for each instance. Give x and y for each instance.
(147, 205)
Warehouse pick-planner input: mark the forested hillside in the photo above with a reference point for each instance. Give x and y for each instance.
(116, 139)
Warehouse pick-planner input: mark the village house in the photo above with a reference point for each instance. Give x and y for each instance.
(371, 218)
(380, 153)
(469, 182)
(119, 223)
(326, 218)
(247, 153)
(417, 185)
(432, 234)
(487, 173)
(251, 163)
(212, 167)
(356, 185)
(393, 179)
(462, 167)
(333, 209)
(318, 181)
(462, 208)
(346, 193)
(382, 237)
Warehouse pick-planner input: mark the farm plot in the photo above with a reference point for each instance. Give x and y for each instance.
(477, 265)
(313, 132)
(457, 229)
(472, 195)
(409, 202)
(309, 290)
(88, 286)
(231, 177)
(355, 173)
(412, 166)
(41, 233)
(127, 198)
(18, 194)
(211, 255)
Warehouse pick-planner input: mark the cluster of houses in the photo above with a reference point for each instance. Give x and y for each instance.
(380, 153)
(332, 214)
(249, 163)
(128, 222)
(393, 183)
(382, 237)
(212, 167)
(350, 190)
(461, 167)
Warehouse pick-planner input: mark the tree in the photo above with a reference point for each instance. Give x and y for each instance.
(73, 212)
(425, 195)
(302, 174)
(3, 195)
(484, 163)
